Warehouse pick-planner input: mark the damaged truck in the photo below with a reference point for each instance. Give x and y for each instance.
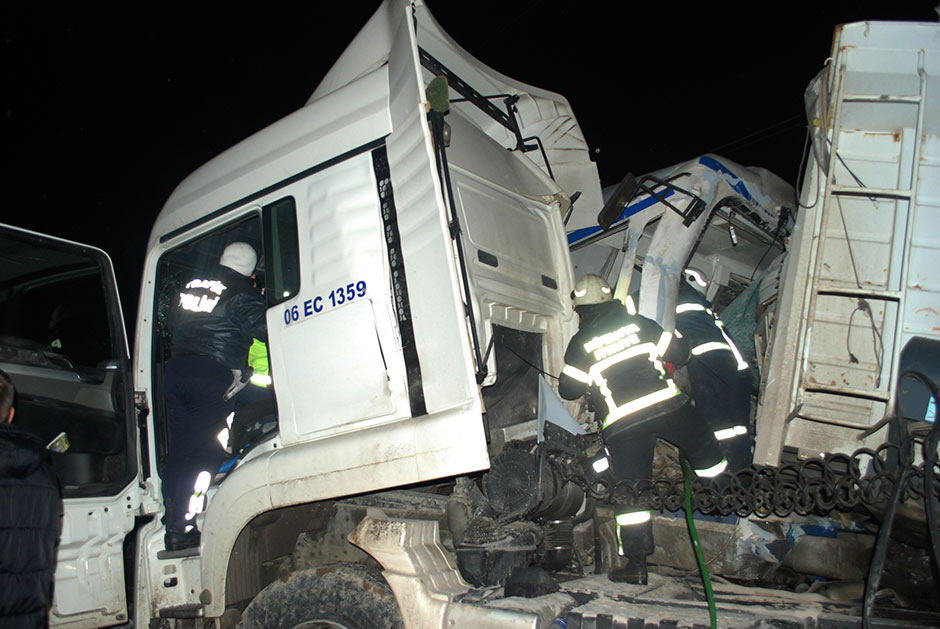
(422, 220)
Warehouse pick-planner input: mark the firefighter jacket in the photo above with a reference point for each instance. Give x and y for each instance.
(714, 354)
(619, 357)
(218, 315)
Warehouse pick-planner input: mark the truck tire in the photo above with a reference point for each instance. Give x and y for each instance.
(342, 595)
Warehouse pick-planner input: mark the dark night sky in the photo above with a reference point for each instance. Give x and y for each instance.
(105, 111)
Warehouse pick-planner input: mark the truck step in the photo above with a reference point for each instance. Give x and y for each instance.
(877, 396)
(190, 610)
(891, 193)
(887, 295)
(178, 554)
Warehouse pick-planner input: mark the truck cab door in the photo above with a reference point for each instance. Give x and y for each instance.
(62, 342)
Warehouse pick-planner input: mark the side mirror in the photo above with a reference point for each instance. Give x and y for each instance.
(614, 206)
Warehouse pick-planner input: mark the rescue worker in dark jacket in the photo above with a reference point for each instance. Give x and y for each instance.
(214, 323)
(720, 377)
(260, 382)
(254, 406)
(30, 513)
(619, 357)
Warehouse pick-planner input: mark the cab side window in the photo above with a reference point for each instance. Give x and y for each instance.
(62, 345)
(282, 267)
(273, 234)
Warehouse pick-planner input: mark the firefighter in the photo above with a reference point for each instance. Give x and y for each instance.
(720, 377)
(618, 356)
(214, 323)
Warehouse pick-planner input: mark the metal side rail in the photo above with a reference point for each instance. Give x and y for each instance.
(679, 603)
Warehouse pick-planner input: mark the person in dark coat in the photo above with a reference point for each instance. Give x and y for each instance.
(217, 317)
(620, 357)
(720, 377)
(30, 516)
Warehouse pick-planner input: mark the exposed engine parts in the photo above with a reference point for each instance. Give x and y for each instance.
(537, 503)
(490, 551)
(551, 484)
(558, 544)
(527, 513)
(537, 483)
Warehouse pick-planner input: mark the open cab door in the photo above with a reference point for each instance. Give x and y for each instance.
(63, 344)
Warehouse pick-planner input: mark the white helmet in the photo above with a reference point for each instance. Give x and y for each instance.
(240, 257)
(591, 289)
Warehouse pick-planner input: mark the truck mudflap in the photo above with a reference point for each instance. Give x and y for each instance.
(431, 593)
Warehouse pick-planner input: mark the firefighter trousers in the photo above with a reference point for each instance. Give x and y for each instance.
(631, 451)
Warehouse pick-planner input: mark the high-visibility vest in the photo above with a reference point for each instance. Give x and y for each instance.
(258, 361)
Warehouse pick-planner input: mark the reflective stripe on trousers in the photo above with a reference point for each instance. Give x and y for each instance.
(197, 502)
(630, 519)
(714, 470)
(730, 433)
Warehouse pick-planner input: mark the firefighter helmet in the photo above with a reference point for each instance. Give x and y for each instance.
(591, 289)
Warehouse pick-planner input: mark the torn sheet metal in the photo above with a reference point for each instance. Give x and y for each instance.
(651, 233)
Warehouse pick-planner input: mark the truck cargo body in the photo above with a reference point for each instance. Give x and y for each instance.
(860, 279)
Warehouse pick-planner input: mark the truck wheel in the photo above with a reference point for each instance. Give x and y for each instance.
(339, 595)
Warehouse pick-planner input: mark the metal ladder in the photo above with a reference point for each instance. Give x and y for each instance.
(833, 192)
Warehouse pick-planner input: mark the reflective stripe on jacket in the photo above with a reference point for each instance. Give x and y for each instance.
(619, 356)
(218, 314)
(702, 328)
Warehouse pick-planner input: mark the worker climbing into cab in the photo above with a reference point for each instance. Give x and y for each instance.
(720, 377)
(214, 322)
(619, 357)
(255, 414)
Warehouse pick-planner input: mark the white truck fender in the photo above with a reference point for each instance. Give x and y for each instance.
(424, 578)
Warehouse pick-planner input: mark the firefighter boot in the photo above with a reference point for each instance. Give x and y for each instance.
(635, 532)
(634, 572)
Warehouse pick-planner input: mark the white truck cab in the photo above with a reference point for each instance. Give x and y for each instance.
(409, 259)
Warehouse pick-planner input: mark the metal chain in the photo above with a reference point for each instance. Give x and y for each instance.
(813, 486)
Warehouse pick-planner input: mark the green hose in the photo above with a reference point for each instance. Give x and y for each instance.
(706, 580)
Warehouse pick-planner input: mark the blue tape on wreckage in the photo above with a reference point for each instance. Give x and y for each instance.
(586, 232)
(709, 162)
